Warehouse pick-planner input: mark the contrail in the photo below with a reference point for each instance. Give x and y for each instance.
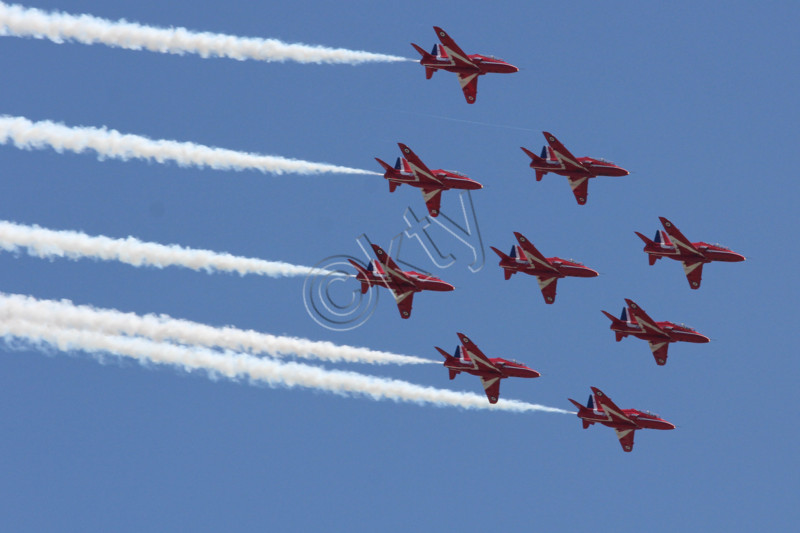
(45, 243)
(20, 21)
(162, 328)
(29, 135)
(242, 366)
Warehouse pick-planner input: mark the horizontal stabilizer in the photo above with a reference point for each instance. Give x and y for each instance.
(446, 355)
(385, 165)
(646, 240)
(422, 52)
(614, 320)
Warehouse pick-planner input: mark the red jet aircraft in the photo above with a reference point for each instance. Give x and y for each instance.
(548, 270)
(578, 170)
(625, 422)
(468, 358)
(671, 243)
(411, 170)
(403, 283)
(448, 56)
(634, 321)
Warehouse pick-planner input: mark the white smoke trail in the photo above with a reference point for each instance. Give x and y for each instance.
(47, 243)
(60, 27)
(161, 328)
(26, 134)
(242, 366)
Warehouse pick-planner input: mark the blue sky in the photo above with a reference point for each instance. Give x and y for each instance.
(699, 102)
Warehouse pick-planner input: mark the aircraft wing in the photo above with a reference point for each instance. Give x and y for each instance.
(391, 268)
(533, 255)
(433, 200)
(480, 361)
(569, 161)
(420, 170)
(678, 239)
(548, 286)
(404, 301)
(659, 350)
(611, 410)
(580, 188)
(492, 388)
(459, 57)
(625, 437)
(469, 84)
(647, 324)
(694, 273)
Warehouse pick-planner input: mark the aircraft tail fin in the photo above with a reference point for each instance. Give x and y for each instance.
(583, 411)
(388, 172)
(647, 242)
(449, 359)
(617, 322)
(503, 257)
(537, 162)
(365, 283)
(426, 57)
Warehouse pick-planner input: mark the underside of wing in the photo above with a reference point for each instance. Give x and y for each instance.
(659, 350)
(404, 301)
(580, 188)
(459, 57)
(611, 410)
(421, 171)
(647, 324)
(433, 200)
(560, 152)
(492, 388)
(469, 84)
(532, 254)
(678, 238)
(477, 357)
(694, 273)
(625, 437)
(548, 287)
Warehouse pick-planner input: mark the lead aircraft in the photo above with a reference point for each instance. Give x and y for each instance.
(448, 56)
(634, 321)
(412, 171)
(671, 243)
(578, 170)
(548, 270)
(600, 409)
(384, 272)
(468, 358)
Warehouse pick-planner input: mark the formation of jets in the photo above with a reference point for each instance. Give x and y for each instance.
(526, 258)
